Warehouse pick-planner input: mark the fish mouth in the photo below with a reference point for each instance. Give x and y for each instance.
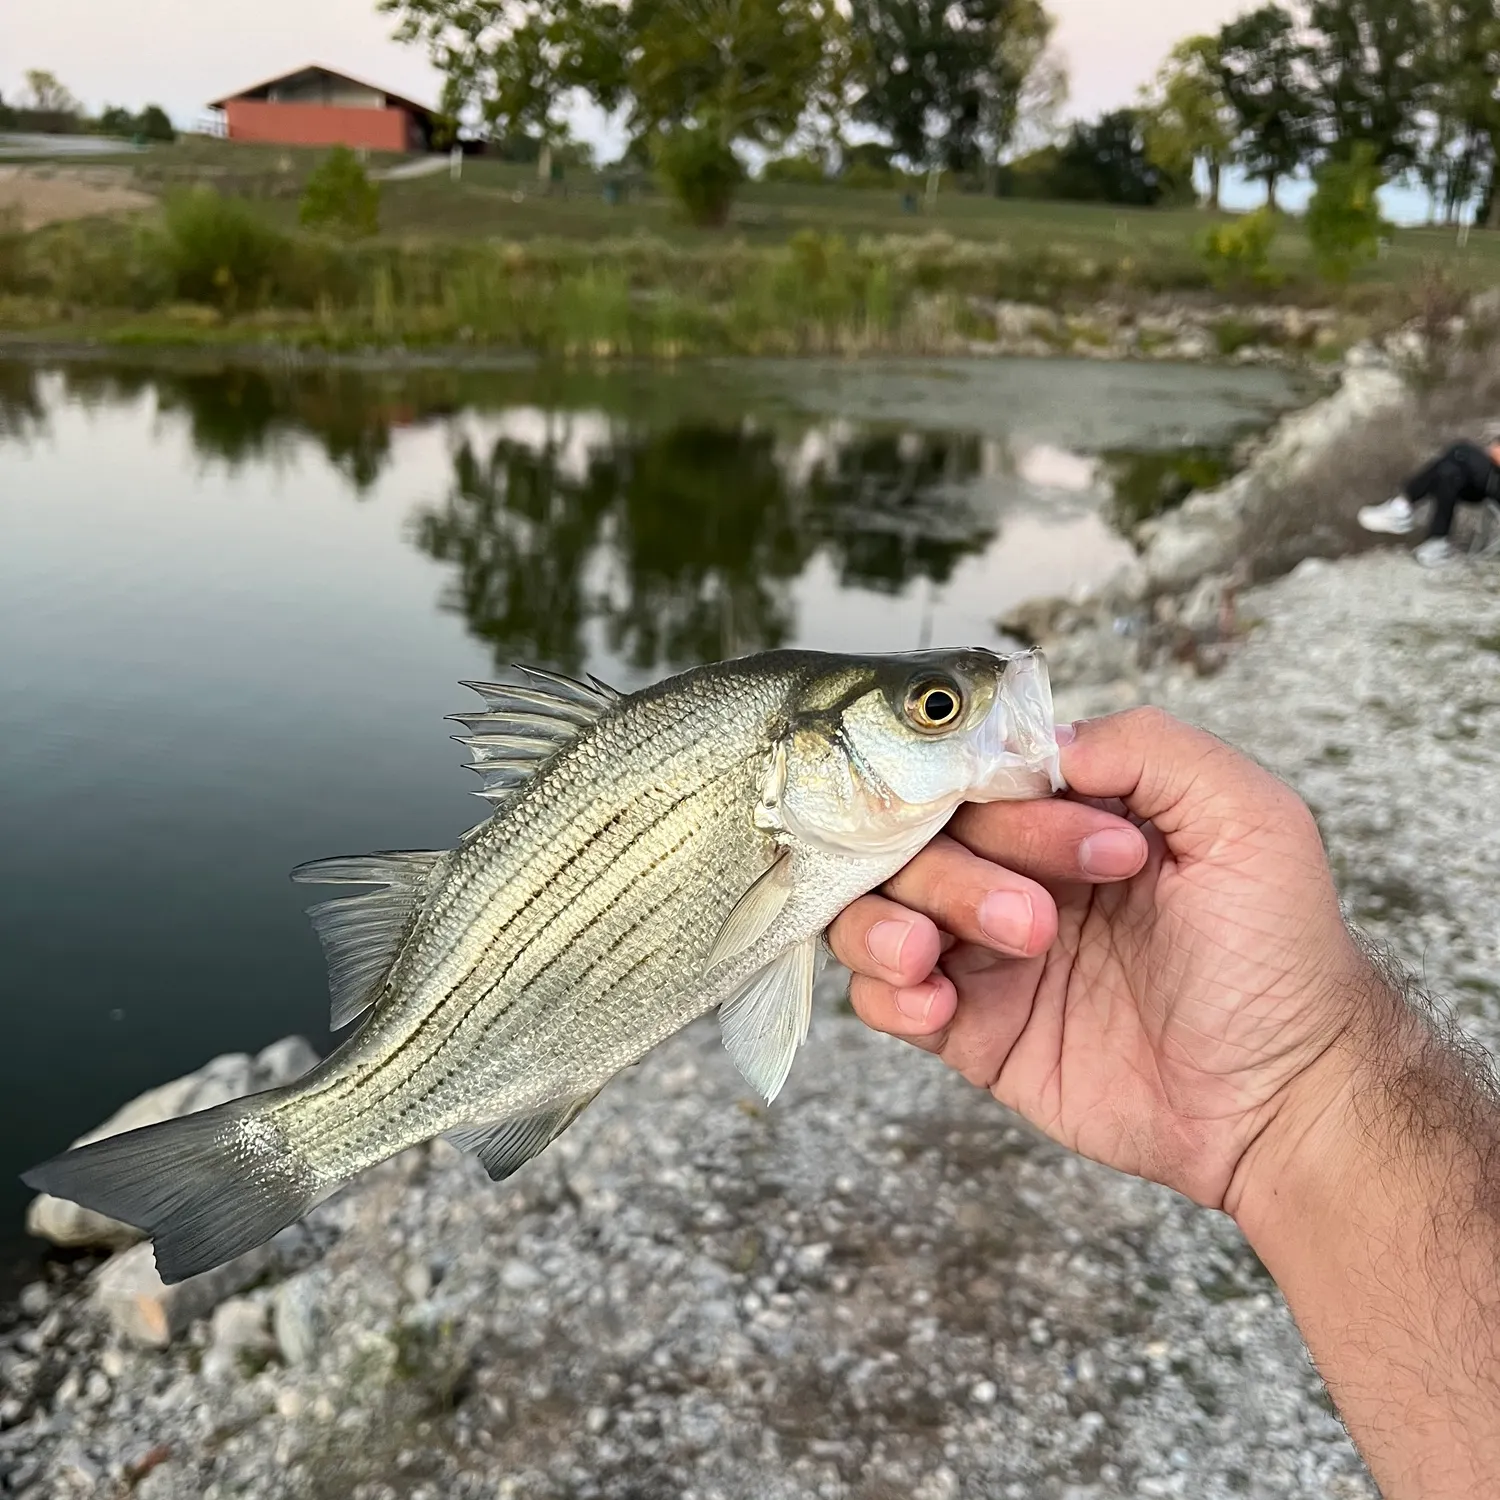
(1018, 742)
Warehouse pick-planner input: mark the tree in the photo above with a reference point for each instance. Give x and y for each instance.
(944, 80)
(1461, 147)
(1026, 117)
(47, 95)
(1106, 161)
(706, 74)
(1187, 117)
(1366, 61)
(1263, 71)
(510, 66)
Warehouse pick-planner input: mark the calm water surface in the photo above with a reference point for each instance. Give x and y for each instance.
(234, 608)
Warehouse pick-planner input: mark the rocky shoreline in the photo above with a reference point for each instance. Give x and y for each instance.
(1167, 329)
(884, 1286)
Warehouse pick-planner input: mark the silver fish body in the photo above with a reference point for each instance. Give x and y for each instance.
(650, 858)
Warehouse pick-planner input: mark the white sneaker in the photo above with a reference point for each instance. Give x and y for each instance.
(1394, 518)
(1435, 552)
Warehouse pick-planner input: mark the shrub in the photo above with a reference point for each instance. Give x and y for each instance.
(805, 170)
(1238, 253)
(340, 199)
(1343, 218)
(154, 124)
(12, 250)
(218, 252)
(867, 175)
(702, 172)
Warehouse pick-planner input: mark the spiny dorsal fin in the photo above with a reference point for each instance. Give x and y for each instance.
(361, 935)
(768, 1019)
(523, 726)
(754, 912)
(504, 1146)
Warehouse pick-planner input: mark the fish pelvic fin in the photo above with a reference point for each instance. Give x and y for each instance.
(205, 1187)
(505, 1146)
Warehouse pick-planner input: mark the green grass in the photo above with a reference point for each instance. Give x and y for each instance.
(496, 260)
(502, 200)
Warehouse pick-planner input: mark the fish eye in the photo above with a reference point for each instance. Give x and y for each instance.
(934, 705)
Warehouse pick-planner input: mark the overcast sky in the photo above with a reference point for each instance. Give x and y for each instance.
(182, 53)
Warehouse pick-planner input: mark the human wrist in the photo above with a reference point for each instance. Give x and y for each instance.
(1313, 1150)
(1397, 1108)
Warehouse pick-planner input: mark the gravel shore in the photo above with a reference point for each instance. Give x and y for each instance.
(884, 1286)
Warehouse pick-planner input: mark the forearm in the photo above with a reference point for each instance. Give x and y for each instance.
(1374, 1201)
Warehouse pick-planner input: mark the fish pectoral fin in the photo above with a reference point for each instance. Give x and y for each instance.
(361, 935)
(754, 912)
(505, 1146)
(765, 1022)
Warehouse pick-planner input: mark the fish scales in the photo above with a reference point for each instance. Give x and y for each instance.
(516, 962)
(653, 857)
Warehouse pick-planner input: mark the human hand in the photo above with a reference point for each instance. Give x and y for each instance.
(1145, 975)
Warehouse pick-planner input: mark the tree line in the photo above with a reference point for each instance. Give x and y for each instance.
(47, 106)
(1407, 86)
(972, 88)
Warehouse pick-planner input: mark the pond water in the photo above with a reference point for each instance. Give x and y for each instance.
(235, 605)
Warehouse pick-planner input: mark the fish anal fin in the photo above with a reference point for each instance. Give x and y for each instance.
(767, 1019)
(505, 1146)
(362, 935)
(754, 912)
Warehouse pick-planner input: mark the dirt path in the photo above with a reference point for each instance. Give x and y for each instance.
(48, 195)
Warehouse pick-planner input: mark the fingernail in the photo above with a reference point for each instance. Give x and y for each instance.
(1006, 917)
(1111, 853)
(885, 940)
(916, 1004)
(1066, 734)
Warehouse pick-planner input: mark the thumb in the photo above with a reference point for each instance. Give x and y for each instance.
(1197, 791)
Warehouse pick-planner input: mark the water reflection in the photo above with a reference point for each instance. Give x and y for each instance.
(682, 543)
(667, 542)
(647, 519)
(22, 411)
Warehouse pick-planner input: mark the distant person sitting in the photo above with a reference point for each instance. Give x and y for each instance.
(1464, 474)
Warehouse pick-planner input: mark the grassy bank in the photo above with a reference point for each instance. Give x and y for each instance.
(492, 261)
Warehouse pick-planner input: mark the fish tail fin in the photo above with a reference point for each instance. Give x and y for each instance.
(205, 1187)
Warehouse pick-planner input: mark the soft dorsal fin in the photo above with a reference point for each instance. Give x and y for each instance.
(361, 935)
(765, 1022)
(522, 727)
(754, 912)
(504, 1146)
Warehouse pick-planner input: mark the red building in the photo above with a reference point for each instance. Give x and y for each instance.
(315, 106)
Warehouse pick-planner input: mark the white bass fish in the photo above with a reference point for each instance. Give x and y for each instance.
(650, 857)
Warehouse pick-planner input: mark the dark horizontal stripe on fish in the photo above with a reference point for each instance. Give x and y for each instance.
(648, 771)
(365, 1107)
(357, 1088)
(335, 1086)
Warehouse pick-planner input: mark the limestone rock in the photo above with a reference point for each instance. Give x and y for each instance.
(296, 1316)
(238, 1341)
(140, 1307)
